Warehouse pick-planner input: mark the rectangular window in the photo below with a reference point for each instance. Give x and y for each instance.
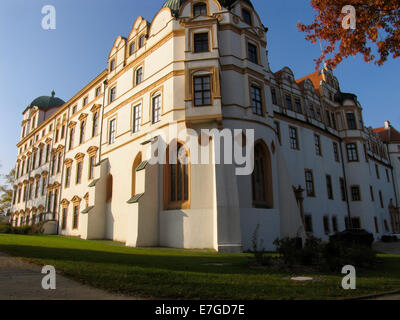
(327, 228)
(202, 91)
(78, 173)
(95, 128)
(317, 142)
(297, 102)
(91, 167)
(351, 121)
(67, 177)
(141, 41)
(294, 143)
(59, 161)
(137, 117)
(308, 223)
(82, 132)
(336, 152)
(201, 42)
(312, 111)
(371, 191)
(256, 100)
(319, 114)
(199, 9)
(343, 189)
(310, 183)
(37, 189)
(75, 218)
(387, 175)
(71, 138)
(74, 109)
(139, 75)
(98, 91)
(252, 52)
(64, 219)
(381, 199)
(85, 101)
(63, 132)
(355, 193)
(274, 98)
(111, 131)
(112, 65)
(278, 131)
(377, 171)
(328, 118)
(156, 109)
(246, 15)
(329, 187)
(376, 225)
(132, 48)
(43, 186)
(335, 224)
(352, 153)
(289, 104)
(113, 92)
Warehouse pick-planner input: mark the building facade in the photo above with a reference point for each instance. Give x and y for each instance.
(83, 166)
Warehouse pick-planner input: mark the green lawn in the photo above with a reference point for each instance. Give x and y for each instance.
(184, 274)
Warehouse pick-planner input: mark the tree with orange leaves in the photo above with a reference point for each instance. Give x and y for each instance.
(377, 25)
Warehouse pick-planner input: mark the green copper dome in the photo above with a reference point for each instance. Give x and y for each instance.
(176, 5)
(46, 102)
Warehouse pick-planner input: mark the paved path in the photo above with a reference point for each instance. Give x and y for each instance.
(20, 280)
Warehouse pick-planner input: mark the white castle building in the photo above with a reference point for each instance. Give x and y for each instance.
(83, 168)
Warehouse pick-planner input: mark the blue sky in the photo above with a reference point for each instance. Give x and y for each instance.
(33, 61)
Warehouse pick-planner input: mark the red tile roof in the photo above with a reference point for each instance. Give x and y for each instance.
(388, 135)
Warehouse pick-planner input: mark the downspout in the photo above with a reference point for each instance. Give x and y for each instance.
(62, 172)
(345, 185)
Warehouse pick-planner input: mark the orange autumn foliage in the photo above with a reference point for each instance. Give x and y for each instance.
(376, 37)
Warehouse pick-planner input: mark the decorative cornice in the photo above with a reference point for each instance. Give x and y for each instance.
(95, 108)
(83, 117)
(72, 124)
(79, 156)
(76, 200)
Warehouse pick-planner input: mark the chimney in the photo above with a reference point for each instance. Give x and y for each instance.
(387, 124)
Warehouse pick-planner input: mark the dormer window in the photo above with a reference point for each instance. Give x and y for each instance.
(112, 65)
(199, 9)
(132, 48)
(246, 15)
(141, 42)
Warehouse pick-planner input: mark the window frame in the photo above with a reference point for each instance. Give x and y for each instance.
(199, 44)
(310, 183)
(202, 91)
(156, 111)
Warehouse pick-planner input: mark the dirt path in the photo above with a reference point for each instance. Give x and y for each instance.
(20, 280)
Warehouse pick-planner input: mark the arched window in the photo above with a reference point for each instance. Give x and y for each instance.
(262, 177)
(177, 179)
(136, 163)
(109, 188)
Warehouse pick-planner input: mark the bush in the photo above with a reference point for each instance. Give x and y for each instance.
(5, 228)
(289, 249)
(354, 236)
(312, 252)
(338, 254)
(258, 250)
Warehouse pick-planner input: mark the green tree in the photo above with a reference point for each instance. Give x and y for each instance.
(6, 191)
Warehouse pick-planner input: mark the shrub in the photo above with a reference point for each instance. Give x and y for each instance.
(5, 228)
(258, 250)
(289, 249)
(354, 236)
(312, 252)
(337, 254)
